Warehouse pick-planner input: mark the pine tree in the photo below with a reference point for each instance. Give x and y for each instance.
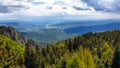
(29, 57)
(116, 60)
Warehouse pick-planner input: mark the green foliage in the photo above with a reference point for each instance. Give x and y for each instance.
(91, 50)
(116, 59)
(81, 59)
(107, 52)
(11, 53)
(47, 36)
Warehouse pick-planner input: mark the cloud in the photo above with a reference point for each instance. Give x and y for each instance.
(38, 3)
(104, 5)
(81, 8)
(41, 7)
(9, 6)
(4, 9)
(48, 7)
(89, 8)
(59, 3)
(64, 8)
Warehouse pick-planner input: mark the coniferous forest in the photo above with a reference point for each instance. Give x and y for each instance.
(90, 50)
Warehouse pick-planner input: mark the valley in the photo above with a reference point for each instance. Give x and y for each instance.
(94, 50)
(59, 33)
(50, 32)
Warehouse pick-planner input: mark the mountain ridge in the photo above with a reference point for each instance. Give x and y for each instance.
(90, 50)
(10, 32)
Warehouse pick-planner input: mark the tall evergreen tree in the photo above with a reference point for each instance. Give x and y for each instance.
(116, 60)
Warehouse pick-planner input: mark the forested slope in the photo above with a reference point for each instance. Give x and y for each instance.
(11, 53)
(91, 50)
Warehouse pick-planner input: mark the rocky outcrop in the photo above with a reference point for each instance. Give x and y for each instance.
(14, 35)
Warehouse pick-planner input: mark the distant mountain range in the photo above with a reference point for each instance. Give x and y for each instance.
(47, 33)
(94, 50)
(93, 28)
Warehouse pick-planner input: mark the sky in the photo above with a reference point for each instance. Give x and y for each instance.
(70, 9)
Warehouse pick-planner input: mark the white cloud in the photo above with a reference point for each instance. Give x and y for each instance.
(104, 5)
(56, 7)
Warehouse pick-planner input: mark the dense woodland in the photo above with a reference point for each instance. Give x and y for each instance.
(91, 50)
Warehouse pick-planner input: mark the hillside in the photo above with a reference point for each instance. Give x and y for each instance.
(11, 53)
(40, 33)
(47, 36)
(91, 50)
(47, 33)
(11, 32)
